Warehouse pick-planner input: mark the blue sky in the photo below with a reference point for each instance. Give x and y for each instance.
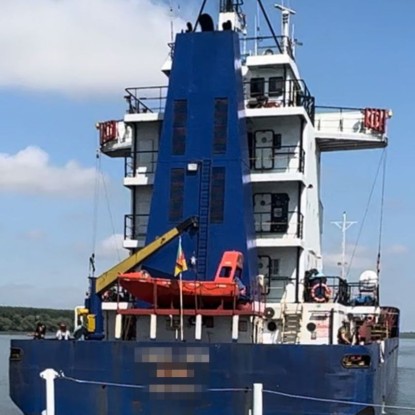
(64, 66)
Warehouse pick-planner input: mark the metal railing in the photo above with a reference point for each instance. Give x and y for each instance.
(292, 227)
(282, 159)
(145, 163)
(275, 286)
(259, 45)
(135, 226)
(146, 99)
(287, 93)
(264, 93)
(265, 45)
(342, 120)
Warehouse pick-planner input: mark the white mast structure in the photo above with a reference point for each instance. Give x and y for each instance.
(285, 26)
(344, 225)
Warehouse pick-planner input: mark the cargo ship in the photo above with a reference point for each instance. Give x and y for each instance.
(223, 288)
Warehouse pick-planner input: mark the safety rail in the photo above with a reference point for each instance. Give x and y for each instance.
(326, 289)
(283, 159)
(276, 92)
(265, 45)
(265, 226)
(236, 304)
(135, 226)
(337, 290)
(276, 286)
(351, 120)
(145, 162)
(259, 45)
(146, 99)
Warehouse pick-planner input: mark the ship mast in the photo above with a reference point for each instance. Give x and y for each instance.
(285, 26)
(344, 225)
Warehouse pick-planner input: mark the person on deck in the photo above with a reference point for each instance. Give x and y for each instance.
(343, 335)
(63, 332)
(40, 331)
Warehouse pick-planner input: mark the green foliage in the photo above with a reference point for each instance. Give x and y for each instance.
(24, 319)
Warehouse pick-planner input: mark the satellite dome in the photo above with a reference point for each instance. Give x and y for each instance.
(368, 279)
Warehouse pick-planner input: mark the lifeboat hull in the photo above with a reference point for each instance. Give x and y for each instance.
(166, 293)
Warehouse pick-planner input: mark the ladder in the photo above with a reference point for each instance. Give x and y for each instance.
(204, 202)
(291, 324)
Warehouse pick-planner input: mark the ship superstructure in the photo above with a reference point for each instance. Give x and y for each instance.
(285, 136)
(223, 287)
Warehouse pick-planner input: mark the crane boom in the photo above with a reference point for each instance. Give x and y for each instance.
(108, 278)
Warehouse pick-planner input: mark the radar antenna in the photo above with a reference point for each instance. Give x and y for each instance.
(285, 27)
(344, 225)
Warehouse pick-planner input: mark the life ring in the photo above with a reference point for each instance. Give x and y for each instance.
(322, 295)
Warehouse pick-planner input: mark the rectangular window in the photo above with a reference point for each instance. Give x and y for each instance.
(276, 86)
(275, 267)
(176, 194)
(257, 87)
(217, 195)
(179, 127)
(220, 128)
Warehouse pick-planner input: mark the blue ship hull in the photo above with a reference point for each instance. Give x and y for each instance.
(128, 380)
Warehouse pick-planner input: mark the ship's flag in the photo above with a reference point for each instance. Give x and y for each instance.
(181, 265)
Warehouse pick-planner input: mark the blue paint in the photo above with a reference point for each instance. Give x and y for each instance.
(295, 369)
(203, 70)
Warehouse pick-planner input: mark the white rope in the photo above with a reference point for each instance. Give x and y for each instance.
(310, 398)
(229, 389)
(93, 382)
(287, 395)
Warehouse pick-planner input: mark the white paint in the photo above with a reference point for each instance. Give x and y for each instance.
(153, 326)
(257, 399)
(49, 375)
(198, 327)
(118, 326)
(235, 327)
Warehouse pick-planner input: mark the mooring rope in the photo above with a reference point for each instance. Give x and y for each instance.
(271, 392)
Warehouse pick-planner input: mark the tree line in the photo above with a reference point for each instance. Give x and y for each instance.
(24, 319)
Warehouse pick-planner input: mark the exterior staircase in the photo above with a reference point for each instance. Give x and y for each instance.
(292, 317)
(204, 200)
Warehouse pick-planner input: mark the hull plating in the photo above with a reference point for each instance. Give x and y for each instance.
(178, 378)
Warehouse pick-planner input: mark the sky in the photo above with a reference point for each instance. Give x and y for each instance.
(64, 67)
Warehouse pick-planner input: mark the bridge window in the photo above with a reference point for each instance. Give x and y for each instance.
(176, 194)
(220, 125)
(179, 127)
(217, 195)
(257, 87)
(276, 86)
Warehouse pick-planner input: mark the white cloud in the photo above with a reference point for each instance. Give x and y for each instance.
(363, 259)
(112, 248)
(30, 172)
(397, 249)
(83, 46)
(34, 235)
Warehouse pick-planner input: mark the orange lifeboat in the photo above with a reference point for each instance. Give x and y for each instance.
(164, 292)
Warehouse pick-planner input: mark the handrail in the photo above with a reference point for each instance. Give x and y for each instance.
(286, 153)
(269, 227)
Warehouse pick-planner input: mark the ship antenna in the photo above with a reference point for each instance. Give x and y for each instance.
(285, 26)
(382, 203)
(344, 225)
(95, 213)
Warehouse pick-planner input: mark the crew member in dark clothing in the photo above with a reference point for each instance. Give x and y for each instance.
(40, 331)
(343, 335)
